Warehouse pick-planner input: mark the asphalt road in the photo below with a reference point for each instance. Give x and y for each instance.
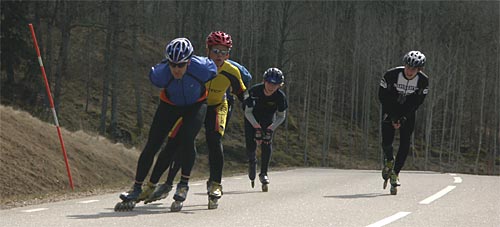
(300, 197)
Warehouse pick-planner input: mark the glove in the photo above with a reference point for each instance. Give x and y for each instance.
(402, 120)
(268, 136)
(258, 134)
(389, 118)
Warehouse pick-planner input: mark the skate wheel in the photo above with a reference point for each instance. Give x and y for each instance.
(118, 207)
(125, 206)
(385, 184)
(212, 204)
(265, 188)
(252, 183)
(394, 191)
(176, 206)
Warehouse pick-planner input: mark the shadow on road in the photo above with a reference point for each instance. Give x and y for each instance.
(356, 196)
(140, 210)
(231, 193)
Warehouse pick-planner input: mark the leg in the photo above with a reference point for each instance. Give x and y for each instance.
(215, 124)
(193, 119)
(387, 140)
(156, 137)
(164, 160)
(251, 148)
(405, 133)
(157, 134)
(267, 150)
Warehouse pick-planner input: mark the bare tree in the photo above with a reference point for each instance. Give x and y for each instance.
(480, 125)
(110, 37)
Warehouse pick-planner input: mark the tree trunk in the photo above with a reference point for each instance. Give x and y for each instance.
(136, 74)
(63, 53)
(105, 79)
(88, 82)
(115, 80)
(480, 127)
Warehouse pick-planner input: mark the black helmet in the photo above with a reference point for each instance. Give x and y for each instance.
(274, 76)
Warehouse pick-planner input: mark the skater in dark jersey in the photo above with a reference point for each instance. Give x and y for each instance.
(265, 110)
(402, 90)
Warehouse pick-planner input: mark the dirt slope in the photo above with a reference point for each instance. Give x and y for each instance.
(32, 165)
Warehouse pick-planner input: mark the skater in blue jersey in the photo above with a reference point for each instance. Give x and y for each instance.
(181, 77)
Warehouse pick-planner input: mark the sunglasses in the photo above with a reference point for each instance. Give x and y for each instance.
(178, 65)
(222, 52)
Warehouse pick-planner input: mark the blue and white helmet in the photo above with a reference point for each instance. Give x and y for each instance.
(414, 59)
(274, 76)
(179, 50)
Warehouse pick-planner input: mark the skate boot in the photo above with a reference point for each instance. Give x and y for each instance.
(251, 172)
(394, 183)
(179, 197)
(160, 192)
(214, 194)
(265, 181)
(147, 190)
(389, 165)
(129, 199)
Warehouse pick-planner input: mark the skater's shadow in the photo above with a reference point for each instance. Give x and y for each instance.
(356, 196)
(139, 210)
(231, 193)
(240, 192)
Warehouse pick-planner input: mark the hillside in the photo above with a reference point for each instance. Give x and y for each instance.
(32, 165)
(32, 168)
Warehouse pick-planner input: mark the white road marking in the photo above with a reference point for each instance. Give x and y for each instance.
(390, 219)
(35, 210)
(89, 201)
(437, 195)
(458, 180)
(453, 174)
(197, 184)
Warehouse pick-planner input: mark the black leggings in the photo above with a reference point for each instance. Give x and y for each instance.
(165, 117)
(215, 124)
(405, 132)
(251, 144)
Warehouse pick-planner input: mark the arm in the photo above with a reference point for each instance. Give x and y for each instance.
(245, 74)
(280, 118)
(387, 99)
(249, 104)
(158, 75)
(250, 117)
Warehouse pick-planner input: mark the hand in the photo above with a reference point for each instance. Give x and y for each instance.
(399, 122)
(268, 136)
(396, 124)
(258, 135)
(402, 120)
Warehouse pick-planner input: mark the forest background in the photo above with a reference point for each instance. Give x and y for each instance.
(97, 55)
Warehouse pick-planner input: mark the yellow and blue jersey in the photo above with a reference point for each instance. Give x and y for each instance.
(228, 76)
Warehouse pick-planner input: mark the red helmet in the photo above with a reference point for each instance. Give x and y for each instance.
(219, 38)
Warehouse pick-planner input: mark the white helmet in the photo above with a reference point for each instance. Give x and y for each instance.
(414, 59)
(179, 50)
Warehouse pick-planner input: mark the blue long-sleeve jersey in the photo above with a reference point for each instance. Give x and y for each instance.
(190, 88)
